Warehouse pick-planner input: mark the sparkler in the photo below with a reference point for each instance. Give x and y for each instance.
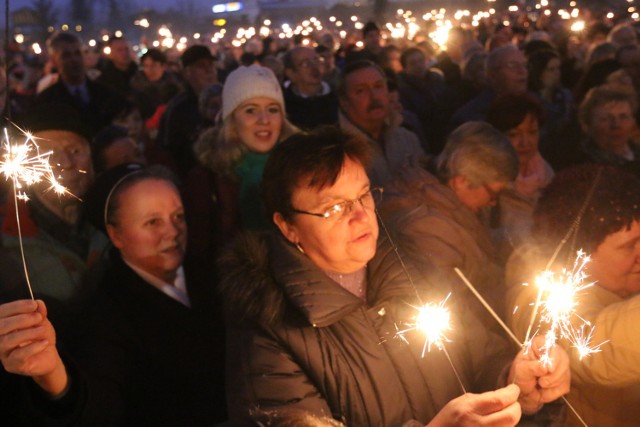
(432, 320)
(515, 339)
(24, 165)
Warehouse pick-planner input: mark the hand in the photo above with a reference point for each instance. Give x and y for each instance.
(494, 408)
(540, 382)
(28, 345)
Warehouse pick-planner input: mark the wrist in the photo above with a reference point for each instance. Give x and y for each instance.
(55, 383)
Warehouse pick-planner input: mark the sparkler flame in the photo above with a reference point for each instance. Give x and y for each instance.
(433, 320)
(558, 304)
(24, 165)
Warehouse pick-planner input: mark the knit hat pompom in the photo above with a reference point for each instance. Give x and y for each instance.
(249, 82)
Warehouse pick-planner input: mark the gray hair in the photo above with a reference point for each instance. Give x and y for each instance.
(480, 153)
(496, 56)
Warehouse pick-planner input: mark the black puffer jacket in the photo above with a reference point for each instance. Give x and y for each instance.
(296, 338)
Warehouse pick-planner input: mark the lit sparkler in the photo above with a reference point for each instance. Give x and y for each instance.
(433, 321)
(558, 300)
(24, 165)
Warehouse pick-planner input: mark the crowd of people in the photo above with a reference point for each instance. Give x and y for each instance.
(247, 233)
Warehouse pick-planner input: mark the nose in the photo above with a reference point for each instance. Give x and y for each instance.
(357, 211)
(263, 117)
(62, 159)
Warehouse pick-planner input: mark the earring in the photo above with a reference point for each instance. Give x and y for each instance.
(299, 248)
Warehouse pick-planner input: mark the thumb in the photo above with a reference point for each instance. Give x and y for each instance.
(494, 401)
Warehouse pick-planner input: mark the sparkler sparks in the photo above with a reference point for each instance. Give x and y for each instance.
(558, 301)
(24, 165)
(433, 321)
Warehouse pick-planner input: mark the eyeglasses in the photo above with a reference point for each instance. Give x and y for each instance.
(515, 65)
(342, 209)
(306, 63)
(493, 194)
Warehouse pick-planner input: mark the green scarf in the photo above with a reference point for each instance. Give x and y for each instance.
(250, 170)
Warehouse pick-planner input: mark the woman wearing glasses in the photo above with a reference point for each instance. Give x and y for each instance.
(314, 311)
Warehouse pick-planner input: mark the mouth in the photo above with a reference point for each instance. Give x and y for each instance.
(363, 237)
(265, 135)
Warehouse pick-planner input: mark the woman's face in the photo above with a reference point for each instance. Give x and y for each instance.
(551, 75)
(525, 138)
(615, 264)
(611, 125)
(150, 229)
(258, 122)
(476, 197)
(343, 244)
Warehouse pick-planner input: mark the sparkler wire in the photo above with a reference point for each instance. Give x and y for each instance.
(509, 332)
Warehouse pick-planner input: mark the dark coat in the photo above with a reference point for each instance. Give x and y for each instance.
(144, 360)
(103, 105)
(311, 112)
(149, 360)
(298, 339)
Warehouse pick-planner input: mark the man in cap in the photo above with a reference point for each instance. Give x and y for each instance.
(182, 120)
(59, 245)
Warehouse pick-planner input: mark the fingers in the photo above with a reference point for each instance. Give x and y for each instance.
(19, 321)
(19, 359)
(508, 416)
(17, 307)
(494, 401)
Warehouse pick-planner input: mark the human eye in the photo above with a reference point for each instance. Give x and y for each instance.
(335, 210)
(180, 216)
(152, 222)
(273, 109)
(250, 110)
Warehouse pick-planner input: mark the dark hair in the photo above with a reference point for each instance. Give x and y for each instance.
(156, 55)
(115, 39)
(103, 140)
(369, 27)
(613, 205)
(57, 39)
(508, 111)
(537, 63)
(534, 46)
(352, 67)
(313, 159)
(291, 417)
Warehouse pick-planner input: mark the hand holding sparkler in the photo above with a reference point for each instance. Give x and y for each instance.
(28, 345)
(493, 408)
(540, 383)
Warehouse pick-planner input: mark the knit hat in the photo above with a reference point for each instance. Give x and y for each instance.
(249, 82)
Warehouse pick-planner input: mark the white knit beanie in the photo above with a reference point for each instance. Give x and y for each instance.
(244, 83)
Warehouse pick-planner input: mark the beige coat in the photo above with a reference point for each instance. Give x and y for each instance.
(605, 386)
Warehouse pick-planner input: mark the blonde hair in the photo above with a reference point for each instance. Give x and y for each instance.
(221, 149)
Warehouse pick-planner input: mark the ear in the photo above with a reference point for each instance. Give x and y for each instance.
(457, 183)
(288, 230)
(114, 236)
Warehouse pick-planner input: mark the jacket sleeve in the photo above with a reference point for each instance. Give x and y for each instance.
(617, 364)
(263, 374)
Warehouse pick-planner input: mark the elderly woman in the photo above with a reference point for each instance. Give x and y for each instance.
(315, 310)
(442, 219)
(152, 348)
(222, 193)
(520, 118)
(608, 120)
(595, 209)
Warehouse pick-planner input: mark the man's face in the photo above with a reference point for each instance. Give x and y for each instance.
(510, 75)
(153, 70)
(70, 62)
(120, 53)
(366, 98)
(70, 159)
(307, 68)
(201, 74)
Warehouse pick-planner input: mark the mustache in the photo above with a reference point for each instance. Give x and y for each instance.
(375, 105)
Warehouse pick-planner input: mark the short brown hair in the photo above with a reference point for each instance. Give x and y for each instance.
(604, 94)
(316, 157)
